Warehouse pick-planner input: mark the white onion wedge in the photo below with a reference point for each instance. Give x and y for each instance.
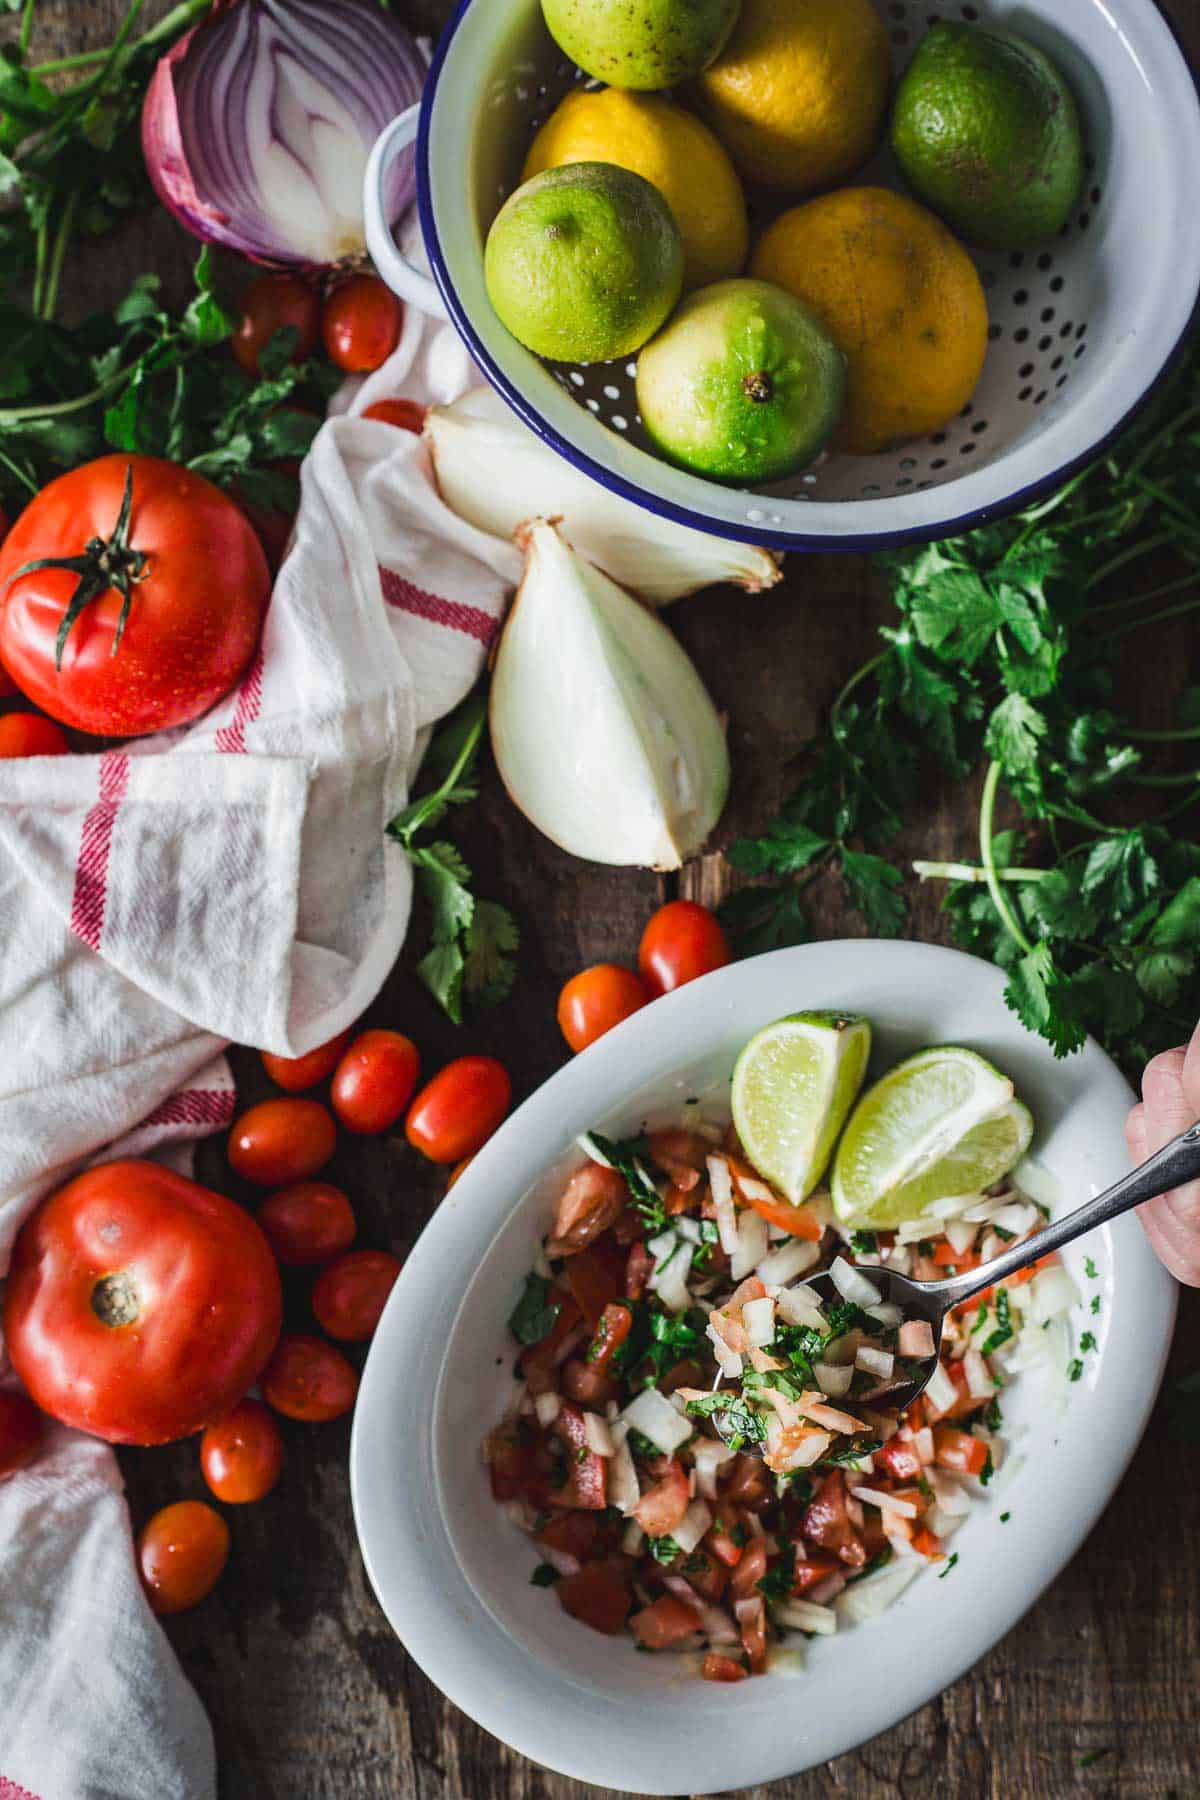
(495, 473)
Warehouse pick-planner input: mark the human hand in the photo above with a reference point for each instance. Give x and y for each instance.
(1170, 1103)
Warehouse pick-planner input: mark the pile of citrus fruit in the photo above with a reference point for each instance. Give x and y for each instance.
(857, 319)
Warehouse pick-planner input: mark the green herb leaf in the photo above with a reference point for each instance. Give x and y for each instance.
(534, 1315)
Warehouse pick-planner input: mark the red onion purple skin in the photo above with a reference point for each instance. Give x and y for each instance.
(171, 176)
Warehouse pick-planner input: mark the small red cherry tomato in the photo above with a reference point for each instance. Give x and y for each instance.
(595, 1000)
(274, 303)
(406, 415)
(374, 1081)
(456, 1113)
(361, 324)
(308, 1379)
(350, 1294)
(241, 1455)
(307, 1223)
(181, 1552)
(295, 1073)
(681, 941)
(21, 1429)
(28, 734)
(280, 1141)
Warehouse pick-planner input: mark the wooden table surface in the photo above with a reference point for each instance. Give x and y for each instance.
(310, 1694)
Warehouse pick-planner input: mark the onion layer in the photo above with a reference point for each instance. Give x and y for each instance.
(257, 125)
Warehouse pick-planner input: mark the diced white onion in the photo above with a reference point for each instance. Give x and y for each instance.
(689, 1228)
(1051, 1294)
(1018, 1217)
(721, 1187)
(632, 1538)
(887, 1313)
(916, 1338)
(875, 1362)
(654, 1416)
(541, 1264)
(547, 1406)
(777, 1233)
(728, 1361)
(692, 1527)
(980, 1384)
(520, 1513)
(949, 1207)
(562, 1560)
(715, 1622)
(983, 1210)
(710, 1455)
(851, 1285)
(960, 1236)
(787, 1660)
(599, 1437)
(794, 1258)
(950, 1495)
(802, 1615)
(752, 1243)
(941, 1393)
(672, 1266)
(941, 1522)
(623, 1490)
(800, 1305)
(828, 1589)
(885, 1502)
(923, 1444)
(834, 1381)
(758, 1318)
(811, 1448)
(899, 1257)
(843, 1349)
(873, 1594)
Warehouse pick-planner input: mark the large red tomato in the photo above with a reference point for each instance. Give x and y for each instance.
(140, 1306)
(163, 582)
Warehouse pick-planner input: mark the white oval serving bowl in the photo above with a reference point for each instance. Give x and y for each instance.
(452, 1573)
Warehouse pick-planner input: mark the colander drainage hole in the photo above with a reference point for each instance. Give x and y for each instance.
(979, 427)
(939, 462)
(966, 449)
(1079, 351)
(1025, 370)
(1021, 297)
(1062, 381)
(1020, 334)
(994, 332)
(1024, 393)
(1047, 314)
(1044, 343)
(620, 422)
(1056, 284)
(576, 378)
(1045, 260)
(1057, 363)
(900, 36)
(1038, 398)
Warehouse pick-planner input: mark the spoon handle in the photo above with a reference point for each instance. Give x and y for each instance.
(1175, 1164)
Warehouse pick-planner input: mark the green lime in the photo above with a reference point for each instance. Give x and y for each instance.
(793, 1085)
(641, 43)
(744, 384)
(584, 262)
(943, 1123)
(987, 133)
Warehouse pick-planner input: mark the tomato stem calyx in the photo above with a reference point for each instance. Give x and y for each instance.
(105, 563)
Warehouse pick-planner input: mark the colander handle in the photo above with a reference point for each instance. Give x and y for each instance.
(397, 271)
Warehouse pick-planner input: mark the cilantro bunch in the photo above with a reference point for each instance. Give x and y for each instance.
(1004, 657)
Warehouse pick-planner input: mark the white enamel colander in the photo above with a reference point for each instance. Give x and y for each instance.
(1081, 328)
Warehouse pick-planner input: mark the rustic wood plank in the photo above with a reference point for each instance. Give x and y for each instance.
(311, 1695)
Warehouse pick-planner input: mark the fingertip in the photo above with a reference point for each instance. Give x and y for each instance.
(1135, 1132)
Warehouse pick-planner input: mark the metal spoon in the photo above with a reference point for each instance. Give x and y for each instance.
(1174, 1165)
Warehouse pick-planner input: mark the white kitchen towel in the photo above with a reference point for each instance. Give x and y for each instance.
(233, 881)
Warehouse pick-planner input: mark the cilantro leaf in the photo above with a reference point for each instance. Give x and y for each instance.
(534, 1315)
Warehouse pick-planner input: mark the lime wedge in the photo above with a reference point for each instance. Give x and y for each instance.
(793, 1085)
(943, 1123)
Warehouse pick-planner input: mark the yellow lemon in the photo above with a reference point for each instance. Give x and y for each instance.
(798, 94)
(669, 148)
(899, 297)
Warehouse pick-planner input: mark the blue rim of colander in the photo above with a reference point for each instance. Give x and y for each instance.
(669, 509)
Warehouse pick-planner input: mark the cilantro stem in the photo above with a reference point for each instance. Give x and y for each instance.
(19, 474)
(957, 871)
(49, 296)
(1131, 554)
(859, 675)
(171, 22)
(39, 271)
(17, 415)
(1166, 737)
(1191, 779)
(1158, 593)
(26, 24)
(987, 848)
(1167, 432)
(1168, 612)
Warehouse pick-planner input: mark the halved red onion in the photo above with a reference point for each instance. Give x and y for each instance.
(258, 123)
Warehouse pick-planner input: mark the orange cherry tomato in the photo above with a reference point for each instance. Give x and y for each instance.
(349, 1295)
(21, 1429)
(308, 1379)
(295, 1073)
(456, 1113)
(272, 303)
(241, 1455)
(28, 734)
(374, 1081)
(406, 415)
(681, 941)
(595, 1000)
(307, 1223)
(281, 1141)
(181, 1552)
(361, 324)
